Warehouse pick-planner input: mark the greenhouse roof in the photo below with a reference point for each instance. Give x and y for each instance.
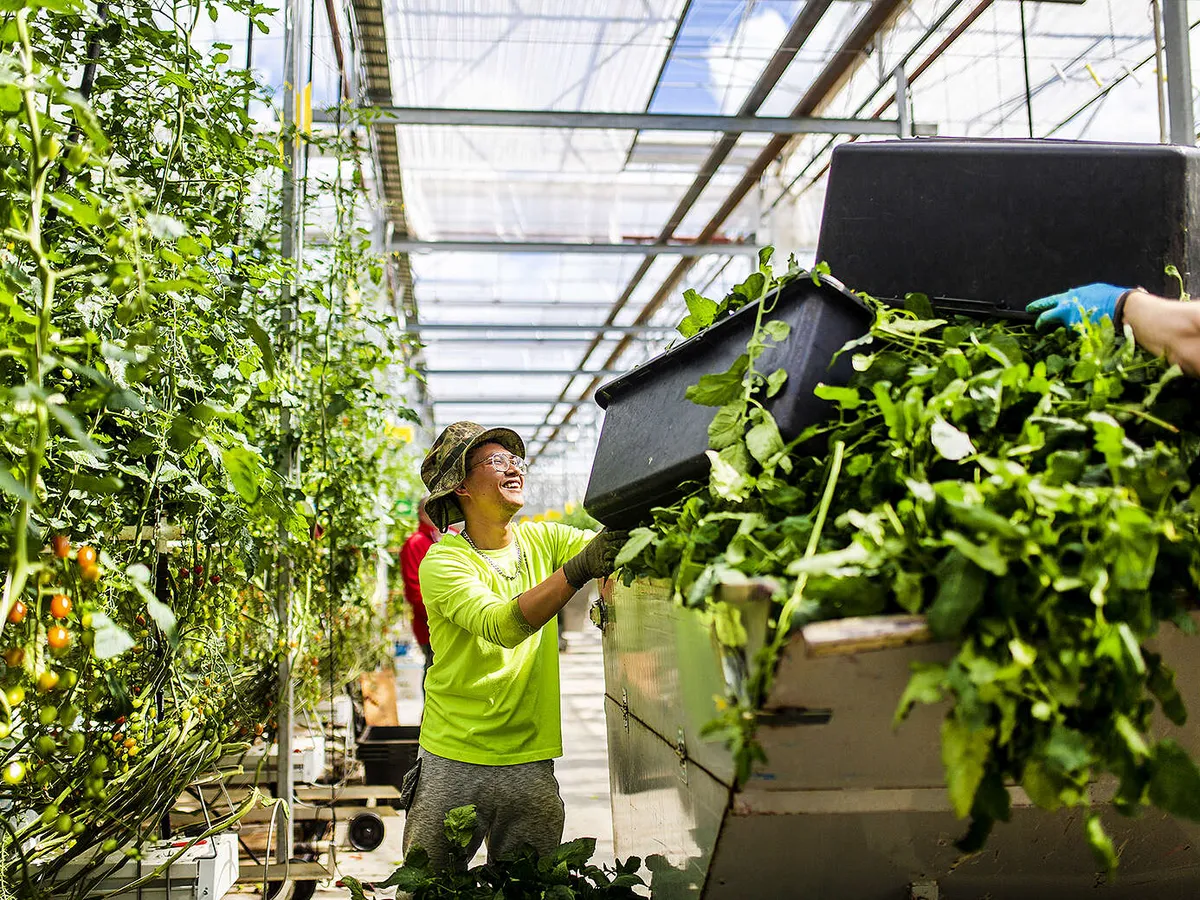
(511, 207)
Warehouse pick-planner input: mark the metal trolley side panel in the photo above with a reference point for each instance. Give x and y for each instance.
(846, 805)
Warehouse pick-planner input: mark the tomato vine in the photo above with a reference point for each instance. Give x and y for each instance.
(144, 519)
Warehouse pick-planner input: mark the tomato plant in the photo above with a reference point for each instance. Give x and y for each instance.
(142, 394)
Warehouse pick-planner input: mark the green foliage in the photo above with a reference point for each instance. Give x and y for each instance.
(155, 381)
(1032, 495)
(567, 873)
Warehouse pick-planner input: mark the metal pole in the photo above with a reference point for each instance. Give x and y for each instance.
(903, 119)
(289, 249)
(1179, 72)
(1160, 72)
(409, 245)
(617, 121)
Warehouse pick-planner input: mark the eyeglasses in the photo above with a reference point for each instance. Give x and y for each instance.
(502, 462)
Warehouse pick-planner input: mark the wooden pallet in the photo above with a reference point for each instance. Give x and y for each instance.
(297, 871)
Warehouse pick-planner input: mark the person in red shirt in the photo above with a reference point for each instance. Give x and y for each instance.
(411, 554)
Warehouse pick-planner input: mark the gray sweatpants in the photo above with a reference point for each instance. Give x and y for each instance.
(514, 805)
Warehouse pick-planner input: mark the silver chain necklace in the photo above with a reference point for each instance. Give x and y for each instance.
(491, 562)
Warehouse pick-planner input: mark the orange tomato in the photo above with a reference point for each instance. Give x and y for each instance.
(58, 637)
(16, 614)
(60, 606)
(86, 557)
(14, 656)
(90, 574)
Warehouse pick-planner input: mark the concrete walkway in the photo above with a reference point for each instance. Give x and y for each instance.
(582, 772)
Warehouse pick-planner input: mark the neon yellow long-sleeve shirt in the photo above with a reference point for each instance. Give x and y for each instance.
(492, 694)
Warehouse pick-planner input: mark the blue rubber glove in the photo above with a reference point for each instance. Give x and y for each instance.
(1070, 308)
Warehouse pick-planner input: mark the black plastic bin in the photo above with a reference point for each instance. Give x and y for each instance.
(987, 226)
(654, 438)
(387, 752)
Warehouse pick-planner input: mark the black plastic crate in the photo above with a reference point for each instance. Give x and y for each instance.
(654, 438)
(387, 752)
(984, 227)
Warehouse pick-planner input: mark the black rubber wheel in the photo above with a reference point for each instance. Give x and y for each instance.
(365, 831)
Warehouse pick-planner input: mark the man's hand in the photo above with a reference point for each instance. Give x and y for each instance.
(1092, 301)
(596, 559)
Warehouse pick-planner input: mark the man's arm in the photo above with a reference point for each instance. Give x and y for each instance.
(1167, 328)
(542, 602)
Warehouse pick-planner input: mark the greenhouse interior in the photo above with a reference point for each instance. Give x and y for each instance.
(703, 449)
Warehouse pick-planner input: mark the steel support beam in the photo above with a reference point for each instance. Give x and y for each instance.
(581, 338)
(574, 247)
(295, 29)
(509, 327)
(619, 121)
(1179, 72)
(501, 401)
(570, 373)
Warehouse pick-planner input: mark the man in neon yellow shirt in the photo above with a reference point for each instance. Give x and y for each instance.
(492, 726)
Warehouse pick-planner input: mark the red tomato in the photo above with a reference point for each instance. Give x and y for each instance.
(61, 546)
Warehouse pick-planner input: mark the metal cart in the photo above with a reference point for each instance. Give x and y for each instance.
(846, 805)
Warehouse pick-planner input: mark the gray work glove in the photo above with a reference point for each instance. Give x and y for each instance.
(596, 559)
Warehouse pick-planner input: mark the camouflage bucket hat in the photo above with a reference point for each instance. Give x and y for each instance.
(445, 465)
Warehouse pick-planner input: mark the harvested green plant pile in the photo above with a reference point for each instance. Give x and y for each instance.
(1035, 496)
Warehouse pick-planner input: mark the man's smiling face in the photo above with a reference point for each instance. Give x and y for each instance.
(490, 489)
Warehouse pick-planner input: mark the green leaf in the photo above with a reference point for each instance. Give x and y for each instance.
(919, 304)
(110, 639)
(164, 227)
(1101, 843)
(986, 556)
(777, 330)
(949, 442)
(162, 615)
(1067, 750)
(1175, 781)
(925, 685)
(459, 826)
(727, 622)
(10, 485)
(845, 397)
(961, 588)
(244, 471)
(71, 425)
(726, 480)
(701, 309)
(719, 389)
(575, 853)
(1161, 684)
(726, 426)
(79, 210)
(639, 540)
(763, 440)
(775, 382)
(1041, 786)
(964, 752)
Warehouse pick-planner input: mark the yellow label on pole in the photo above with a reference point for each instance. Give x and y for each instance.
(306, 110)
